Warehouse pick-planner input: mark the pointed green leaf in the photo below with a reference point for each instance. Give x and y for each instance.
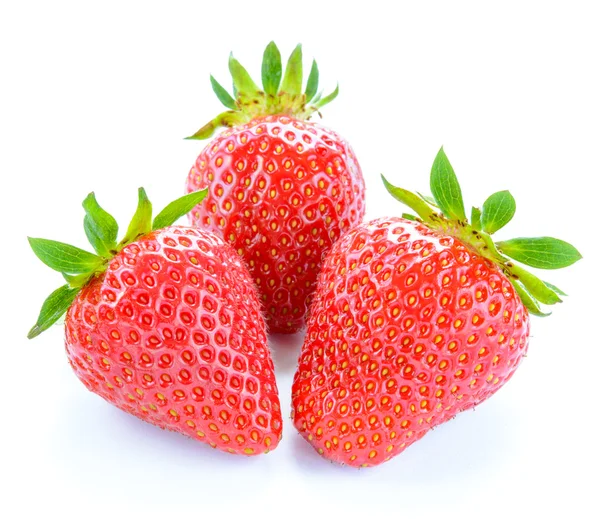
(224, 119)
(556, 289)
(77, 281)
(535, 286)
(327, 99)
(63, 257)
(222, 94)
(57, 303)
(408, 216)
(100, 227)
(543, 253)
(312, 84)
(476, 218)
(528, 301)
(178, 208)
(413, 201)
(497, 211)
(242, 82)
(292, 80)
(141, 223)
(271, 69)
(446, 189)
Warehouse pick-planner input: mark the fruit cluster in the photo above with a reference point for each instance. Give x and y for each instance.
(409, 320)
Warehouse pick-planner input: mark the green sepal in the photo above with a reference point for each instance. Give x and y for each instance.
(100, 227)
(54, 307)
(178, 208)
(497, 211)
(282, 93)
(542, 253)
(446, 189)
(528, 301)
(271, 69)
(224, 119)
(78, 266)
(415, 202)
(141, 223)
(476, 218)
(408, 216)
(222, 94)
(535, 286)
(292, 79)
(327, 99)
(312, 84)
(556, 289)
(65, 258)
(77, 281)
(242, 82)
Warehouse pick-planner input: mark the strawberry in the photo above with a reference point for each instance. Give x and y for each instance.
(281, 190)
(416, 319)
(166, 325)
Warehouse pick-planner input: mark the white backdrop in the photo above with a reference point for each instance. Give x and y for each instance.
(98, 96)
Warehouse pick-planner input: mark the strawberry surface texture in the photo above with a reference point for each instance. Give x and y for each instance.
(167, 326)
(408, 328)
(173, 335)
(415, 319)
(281, 189)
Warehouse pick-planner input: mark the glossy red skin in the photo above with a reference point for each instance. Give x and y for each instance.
(281, 192)
(172, 333)
(402, 336)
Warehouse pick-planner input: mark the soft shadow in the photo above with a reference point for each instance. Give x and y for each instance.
(120, 447)
(314, 464)
(285, 349)
(471, 445)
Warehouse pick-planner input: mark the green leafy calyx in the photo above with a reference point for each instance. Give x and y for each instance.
(281, 92)
(79, 266)
(445, 212)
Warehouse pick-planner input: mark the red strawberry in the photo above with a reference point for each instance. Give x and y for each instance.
(166, 325)
(281, 190)
(415, 320)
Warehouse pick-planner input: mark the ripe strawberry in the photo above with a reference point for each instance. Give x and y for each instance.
(166, 325)
(415, 320)
(281, 190)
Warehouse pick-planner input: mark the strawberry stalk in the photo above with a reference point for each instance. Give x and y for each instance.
(281, 92)
(445, 212)
(78, 266)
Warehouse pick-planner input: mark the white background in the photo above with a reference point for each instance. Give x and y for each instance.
(98, 96)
